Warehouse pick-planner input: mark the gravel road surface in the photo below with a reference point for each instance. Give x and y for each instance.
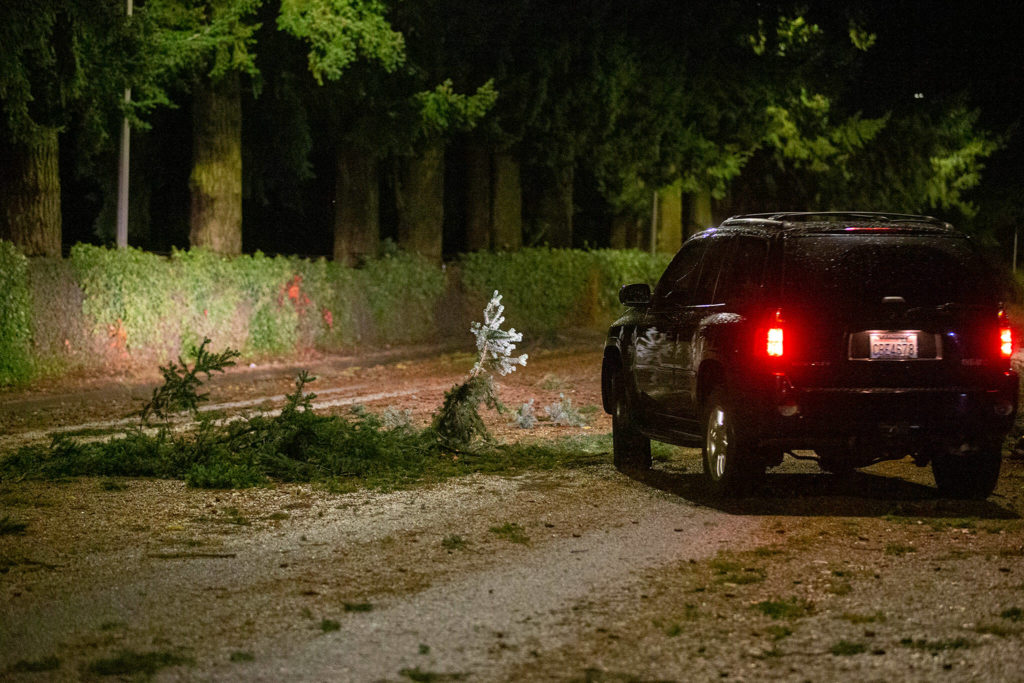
(583, 574)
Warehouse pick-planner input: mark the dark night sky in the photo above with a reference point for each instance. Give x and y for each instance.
(941, 48)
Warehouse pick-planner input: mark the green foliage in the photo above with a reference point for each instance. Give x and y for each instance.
(801, 134)
(957, 160)
(442, 110)
(791, 608)
(458, 423)
(195, 37)
(547, 290)
(564, 413)
(132, 663)
(542, 290)
(358, 607)
(50, 663)
(209, 289)
(846, 648)
(341, 31)
(126, 295)
(401, 292)
(10, 526)
(512, 532)
(1013, 614)
(15, 317)
(936, 646)
(331, 321)
(59, 59)
(157, 307)
(296, 445)
(453, 542)
(60, 340)
(131, 306)
(180, 388)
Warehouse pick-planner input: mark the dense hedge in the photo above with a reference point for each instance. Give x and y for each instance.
(15, 322)
(549, 289)
(104, 306)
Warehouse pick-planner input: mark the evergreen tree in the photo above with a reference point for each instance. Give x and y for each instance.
(61, 61)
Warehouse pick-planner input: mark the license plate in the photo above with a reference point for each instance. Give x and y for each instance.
(893, 345)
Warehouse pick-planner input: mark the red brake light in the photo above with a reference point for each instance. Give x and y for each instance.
(1005, 337)
(775, 338)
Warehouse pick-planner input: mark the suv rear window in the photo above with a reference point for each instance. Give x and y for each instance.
(844, 269)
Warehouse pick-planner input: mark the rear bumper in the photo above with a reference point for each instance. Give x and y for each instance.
(794, 417)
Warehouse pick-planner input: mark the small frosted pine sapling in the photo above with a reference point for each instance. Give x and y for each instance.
(396, 418)
(564, 414)
(458, 423)
(495, 344)
(525, 417)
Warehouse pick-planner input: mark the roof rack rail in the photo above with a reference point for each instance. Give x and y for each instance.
(819, 217)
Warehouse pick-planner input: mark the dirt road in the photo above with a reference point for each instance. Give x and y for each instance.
(567, 575)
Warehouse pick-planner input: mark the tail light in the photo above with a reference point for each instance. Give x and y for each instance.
(775, 338)
(1005, 337)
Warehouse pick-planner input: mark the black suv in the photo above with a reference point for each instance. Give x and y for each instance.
(860, 336)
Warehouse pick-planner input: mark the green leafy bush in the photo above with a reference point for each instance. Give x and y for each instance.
(210, 293)
(15, 317)
(551, 289)
(128, 297)
(132, 307)
(402, 292)
(542, 287)
(61, 341)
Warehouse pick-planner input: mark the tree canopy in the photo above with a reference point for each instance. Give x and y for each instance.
(561, 108)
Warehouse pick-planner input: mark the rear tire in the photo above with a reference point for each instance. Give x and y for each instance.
(731, 465)
(836, 460)
(631, 450)
(972, 475)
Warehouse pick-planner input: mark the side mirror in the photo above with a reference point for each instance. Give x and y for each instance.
(636, 295)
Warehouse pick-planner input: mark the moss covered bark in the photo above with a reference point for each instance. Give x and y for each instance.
(554, 207)
(30, 194)
(357, 208)
(419, 199)
(479, 224)
(507, 204)
(216, 180)
(670, 220)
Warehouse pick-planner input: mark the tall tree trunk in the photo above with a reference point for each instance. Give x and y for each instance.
(357, 207)
(30, 195)
(507, 203)
(479, 224)
(216, 180)
(670, 220)
(554, 208)
(698, 212)
(627, 232)
(419, 200)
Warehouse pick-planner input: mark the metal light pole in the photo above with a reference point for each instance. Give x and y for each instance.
(1016, 232)
(654, 222)
(122, 171)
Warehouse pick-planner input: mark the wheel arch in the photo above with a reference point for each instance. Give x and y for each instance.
(611, 365)
(710, 375)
